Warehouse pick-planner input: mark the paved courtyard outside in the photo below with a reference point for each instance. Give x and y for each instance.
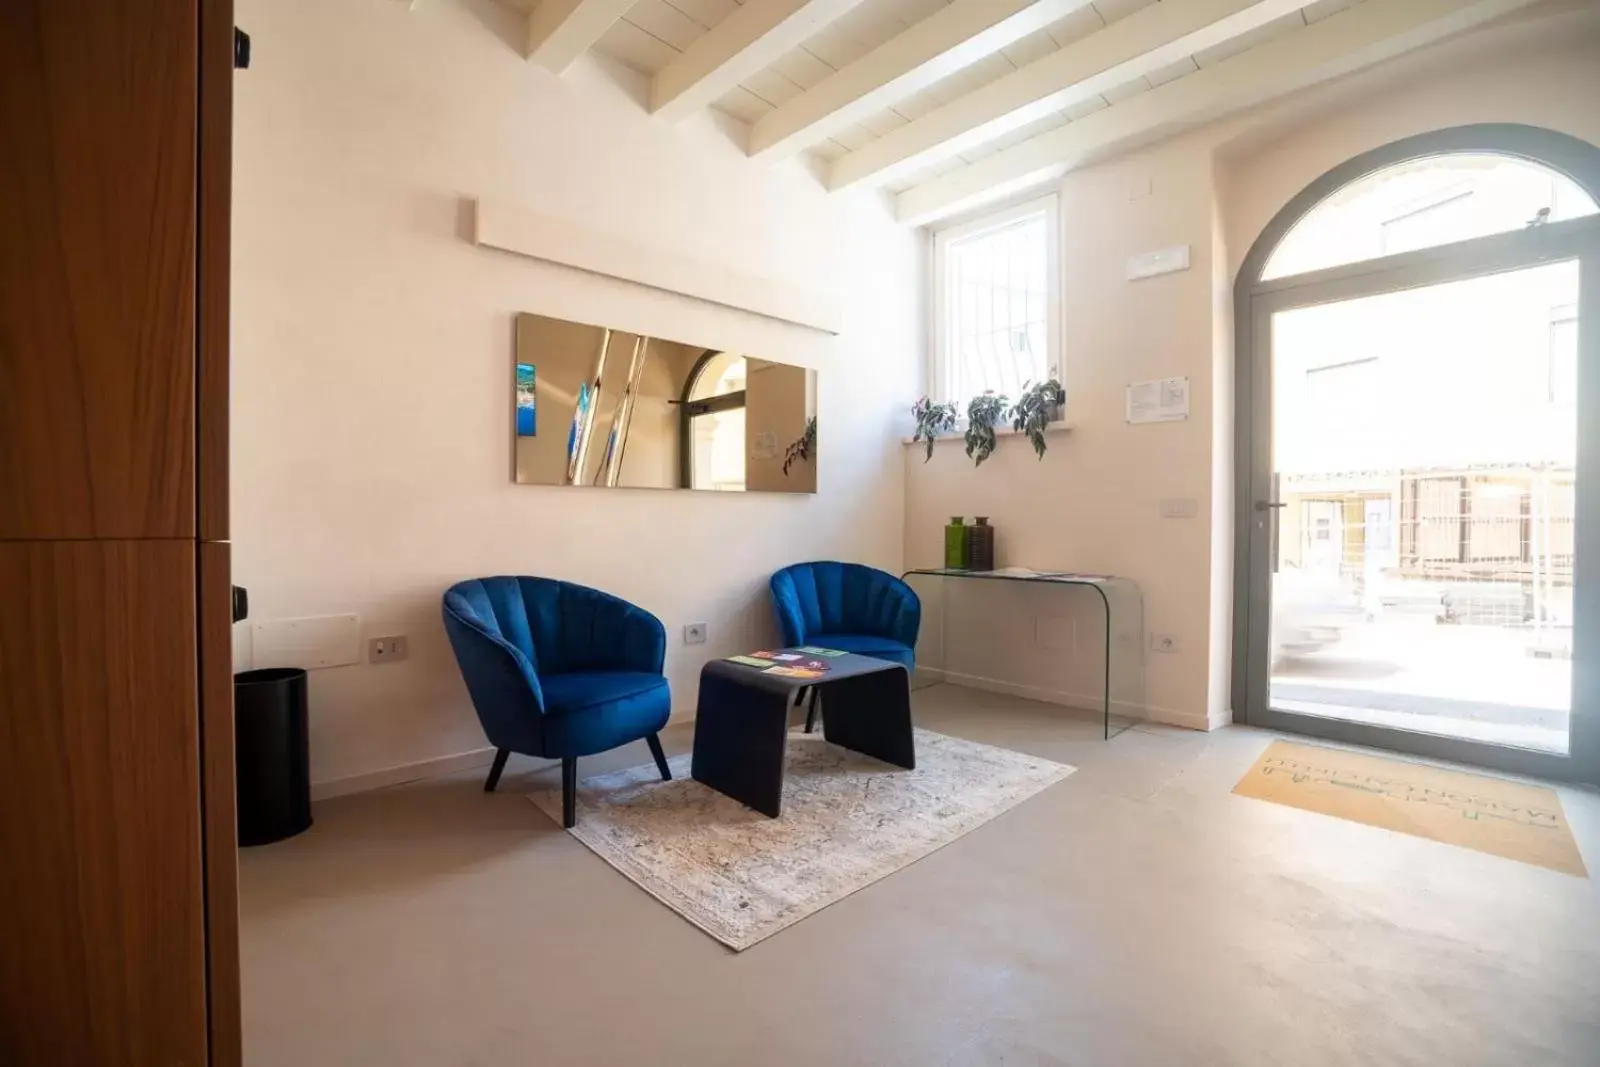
(1507, 684)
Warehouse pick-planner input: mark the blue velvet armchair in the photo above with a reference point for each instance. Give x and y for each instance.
(559, 671)
(849, 607)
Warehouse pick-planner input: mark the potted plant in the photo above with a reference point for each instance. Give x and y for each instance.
(1037, 407)
(932, 420)
(803, 447)
(986, 409)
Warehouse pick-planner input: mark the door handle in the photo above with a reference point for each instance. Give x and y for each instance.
(1264, 506)
(1272, 506)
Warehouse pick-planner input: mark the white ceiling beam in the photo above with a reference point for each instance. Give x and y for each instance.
(951, 39)
(1146, 41)
(559, 31)
(1359, 37)
(750, 39)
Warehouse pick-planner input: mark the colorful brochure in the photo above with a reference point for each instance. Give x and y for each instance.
(794, 672)
(784, 664)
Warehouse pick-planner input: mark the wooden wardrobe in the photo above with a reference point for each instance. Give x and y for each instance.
(118, 863)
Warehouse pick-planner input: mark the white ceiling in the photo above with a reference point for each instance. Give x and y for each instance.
(975, 116)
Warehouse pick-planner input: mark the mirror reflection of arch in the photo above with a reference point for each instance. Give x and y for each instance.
(603, 407)
(1424, 203)
(716, 436)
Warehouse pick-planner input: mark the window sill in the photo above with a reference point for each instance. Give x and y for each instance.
(957, 435)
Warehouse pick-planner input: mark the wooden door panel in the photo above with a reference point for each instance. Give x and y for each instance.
(97, 268)
(101, 908)
(215, 206)
(219, 799)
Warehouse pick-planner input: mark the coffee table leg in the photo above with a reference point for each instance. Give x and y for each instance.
(739, 734)
(871, 713)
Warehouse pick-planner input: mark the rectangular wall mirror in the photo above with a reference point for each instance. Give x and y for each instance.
(596, 406)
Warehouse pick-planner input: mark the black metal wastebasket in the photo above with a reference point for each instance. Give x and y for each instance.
(272, 754)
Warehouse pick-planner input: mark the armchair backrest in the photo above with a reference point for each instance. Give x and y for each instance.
(560, 626)
(844, 598)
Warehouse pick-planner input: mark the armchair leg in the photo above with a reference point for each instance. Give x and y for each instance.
(654, 741)
(500, 757)
(569, 792)
(811, 709)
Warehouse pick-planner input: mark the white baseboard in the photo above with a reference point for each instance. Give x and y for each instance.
(1084, 701)
(405, 772)
(431, 768)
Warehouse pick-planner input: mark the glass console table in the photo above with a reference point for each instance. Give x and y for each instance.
(970, 633)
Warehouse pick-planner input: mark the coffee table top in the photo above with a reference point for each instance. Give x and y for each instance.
(835, 667)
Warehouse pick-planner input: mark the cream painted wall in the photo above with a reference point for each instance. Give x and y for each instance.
(1093, 502)
(373, 349)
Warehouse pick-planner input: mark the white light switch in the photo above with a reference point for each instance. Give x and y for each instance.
(1179, 507)
(1161, 261)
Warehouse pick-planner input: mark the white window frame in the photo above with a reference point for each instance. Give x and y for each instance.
(1560, 316)
(938, 351)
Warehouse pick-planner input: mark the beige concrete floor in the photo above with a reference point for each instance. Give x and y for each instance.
(1136, 913)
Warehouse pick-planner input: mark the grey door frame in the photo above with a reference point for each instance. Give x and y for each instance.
(1256, 301)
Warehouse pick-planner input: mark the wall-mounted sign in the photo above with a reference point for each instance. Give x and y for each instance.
(1163, 400)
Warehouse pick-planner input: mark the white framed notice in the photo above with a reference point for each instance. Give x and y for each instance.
(1163, 400)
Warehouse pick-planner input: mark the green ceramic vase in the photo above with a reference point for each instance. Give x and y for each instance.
(955, 544)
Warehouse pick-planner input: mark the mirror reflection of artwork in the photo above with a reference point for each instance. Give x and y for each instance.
(527, 413)
(645, 412)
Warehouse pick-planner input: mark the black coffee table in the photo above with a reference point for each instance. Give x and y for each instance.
(742, 723)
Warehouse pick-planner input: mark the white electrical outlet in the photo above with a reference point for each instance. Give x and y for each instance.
(1163, 643)
(387, 649)
(694, 633)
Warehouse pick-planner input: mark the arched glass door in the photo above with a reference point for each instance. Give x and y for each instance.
(1419, 408)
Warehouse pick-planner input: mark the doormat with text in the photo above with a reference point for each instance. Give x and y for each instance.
(1520, 822)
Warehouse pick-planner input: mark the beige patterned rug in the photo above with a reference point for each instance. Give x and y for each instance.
(848, 820)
